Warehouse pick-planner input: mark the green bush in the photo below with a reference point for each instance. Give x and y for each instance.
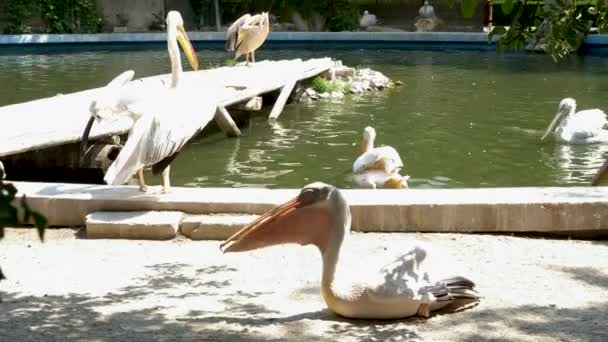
(60, 16)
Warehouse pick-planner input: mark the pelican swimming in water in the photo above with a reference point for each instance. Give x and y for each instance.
(378, 167)
(320, 216)
(247, 34)
(164, 119)
(586, 126)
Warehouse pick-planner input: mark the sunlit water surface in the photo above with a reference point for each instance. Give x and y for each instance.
(461, 119)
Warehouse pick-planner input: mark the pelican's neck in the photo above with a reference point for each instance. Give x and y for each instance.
(367, 144)
(331, 252)
(176, 61)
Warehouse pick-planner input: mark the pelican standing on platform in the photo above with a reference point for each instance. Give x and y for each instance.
(247, 34)
(586, 126)
(378, 167)
(164, 119)
(320, 216)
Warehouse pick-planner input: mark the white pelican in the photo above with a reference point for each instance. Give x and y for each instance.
(367, 20)
(247, 34)
(164, 119)
(586, 126)
(320, 216)
(377, 166)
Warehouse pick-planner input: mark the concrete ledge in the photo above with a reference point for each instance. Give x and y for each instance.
(440, 210)
(370, 37)
(214, 227)
(140, 225)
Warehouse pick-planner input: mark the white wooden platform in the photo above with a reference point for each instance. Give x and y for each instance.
(61, 119)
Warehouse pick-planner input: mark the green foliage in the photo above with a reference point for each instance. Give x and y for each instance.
(60, 16)
(9, 215)
(562, 27)
(323, 85)
(568, 28)
(468, 8)
(229, 62)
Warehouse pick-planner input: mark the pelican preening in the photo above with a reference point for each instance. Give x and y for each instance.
(164, 119)
(378, 167)
(586, 126)
(320, 216)
(247, 34)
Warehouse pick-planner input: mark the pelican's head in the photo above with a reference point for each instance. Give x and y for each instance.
(318, 215)
(365, 12)
(566, 106)
(369, 134)
(176, 31)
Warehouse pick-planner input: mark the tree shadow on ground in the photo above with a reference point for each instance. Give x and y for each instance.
(550, 321)
(79, 317)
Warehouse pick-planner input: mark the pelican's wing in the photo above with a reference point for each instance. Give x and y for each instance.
(164, 128)
(233, 32)
(380, 158)
(587, 123)
(250, 27)
(405, 282)
(403, 279)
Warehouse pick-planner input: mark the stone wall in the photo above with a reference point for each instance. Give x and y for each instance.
(402, 14)
(140, 13)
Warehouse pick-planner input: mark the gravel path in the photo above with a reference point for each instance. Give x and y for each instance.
(73, 289)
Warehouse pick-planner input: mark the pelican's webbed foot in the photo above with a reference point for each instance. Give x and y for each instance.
(424, 310)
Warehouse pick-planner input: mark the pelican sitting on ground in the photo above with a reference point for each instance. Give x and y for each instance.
(247, 34)
(378, 167)
(586, 126)
(164, 120)
(320, 216)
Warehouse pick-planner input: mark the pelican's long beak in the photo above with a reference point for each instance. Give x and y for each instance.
(84, 142)
(184, 41)
(363, 146)
(558, 115)
(602, 174)
(263, 231)
(292, 222)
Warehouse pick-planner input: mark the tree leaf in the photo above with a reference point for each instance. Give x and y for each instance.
(507, 6)
(468, 8)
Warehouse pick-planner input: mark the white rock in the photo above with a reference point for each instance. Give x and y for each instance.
(337, 95)
(324, 95)
(146, 225)
(214, 227)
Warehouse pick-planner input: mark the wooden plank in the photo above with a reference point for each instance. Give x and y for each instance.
(282, 100)
(224, 120)
(61, 119)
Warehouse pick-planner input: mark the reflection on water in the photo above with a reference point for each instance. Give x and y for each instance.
(461, 119)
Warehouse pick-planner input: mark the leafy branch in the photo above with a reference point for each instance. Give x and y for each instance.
(558, 31)
(9, 213)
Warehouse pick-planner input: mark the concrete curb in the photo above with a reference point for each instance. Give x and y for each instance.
(431, 210)
(475, 38)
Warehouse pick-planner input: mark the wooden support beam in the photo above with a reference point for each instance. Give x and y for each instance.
(253, 104)
(282, 100)
(224, 120)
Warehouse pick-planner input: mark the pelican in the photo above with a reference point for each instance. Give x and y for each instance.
(379, 166)
(164, 119)
(367, 20)
(586, 126)
(247, 34)
(320, 216)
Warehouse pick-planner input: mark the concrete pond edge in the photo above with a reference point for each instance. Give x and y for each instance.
(553, 210)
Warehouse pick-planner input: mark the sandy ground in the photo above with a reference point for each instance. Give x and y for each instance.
(74, 289)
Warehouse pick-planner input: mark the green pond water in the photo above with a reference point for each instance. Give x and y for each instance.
(461, 119)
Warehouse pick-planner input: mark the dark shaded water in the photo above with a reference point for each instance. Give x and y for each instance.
(462, 118)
